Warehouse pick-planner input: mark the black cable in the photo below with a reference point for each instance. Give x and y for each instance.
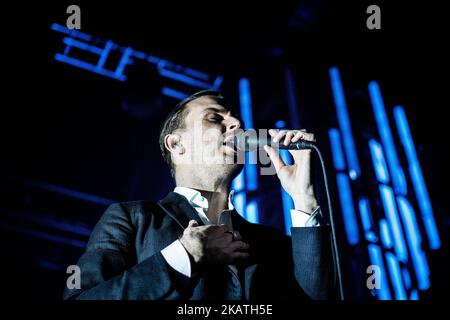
(333, 230)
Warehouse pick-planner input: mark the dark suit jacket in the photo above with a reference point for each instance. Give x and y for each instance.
(123, 259)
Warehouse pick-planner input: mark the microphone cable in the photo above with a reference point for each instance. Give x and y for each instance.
(335, 251)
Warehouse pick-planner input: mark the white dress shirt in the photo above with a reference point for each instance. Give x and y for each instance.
(176, 255)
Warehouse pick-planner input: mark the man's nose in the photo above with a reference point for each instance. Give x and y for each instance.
(233, 124)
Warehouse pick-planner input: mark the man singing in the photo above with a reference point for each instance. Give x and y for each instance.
(193, 244)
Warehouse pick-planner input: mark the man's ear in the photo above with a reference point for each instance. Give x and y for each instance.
(173, 144)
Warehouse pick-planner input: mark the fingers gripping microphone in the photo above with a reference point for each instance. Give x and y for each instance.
(249, 141)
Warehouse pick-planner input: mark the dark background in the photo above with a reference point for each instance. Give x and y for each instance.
(67, 127)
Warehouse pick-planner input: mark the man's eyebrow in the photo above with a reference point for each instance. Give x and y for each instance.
(211, 109)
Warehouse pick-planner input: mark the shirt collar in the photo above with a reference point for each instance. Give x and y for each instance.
(196, 199)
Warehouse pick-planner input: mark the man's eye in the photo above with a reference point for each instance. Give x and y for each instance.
(214, 119)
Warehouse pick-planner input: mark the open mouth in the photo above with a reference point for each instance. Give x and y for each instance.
(229, 141)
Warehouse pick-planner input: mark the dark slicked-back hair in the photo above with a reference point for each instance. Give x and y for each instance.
(175, 120)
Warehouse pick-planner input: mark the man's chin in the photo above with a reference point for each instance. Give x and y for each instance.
(229, 168)
(230, 171)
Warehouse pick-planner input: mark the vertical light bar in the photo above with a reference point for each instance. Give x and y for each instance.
(124, 61)
(250, 168)
(240, 199)
(239, 182)
(286, 199)
(288, 204)
(418, 181)
(396, 276)
(379, 164)
(376, 258)
(354, 170)
(294, 117)
(217, 82)
(414, 295)
(104, 54)
(252, 211)
(388, 200)
(67, 50)
(366, 218)
(406, 278)
(245, 100)
(336, 149)
(347, 208)
(418, 257)
(345, 192)
(397, 175)
(385, 234)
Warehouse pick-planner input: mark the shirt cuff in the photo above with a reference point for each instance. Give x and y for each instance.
(178, 258)
(302, 219)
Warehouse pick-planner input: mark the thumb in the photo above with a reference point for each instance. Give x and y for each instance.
(192, 223)
(274, 157)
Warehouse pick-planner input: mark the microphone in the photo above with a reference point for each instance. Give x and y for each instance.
(249, 141)
(246, 141)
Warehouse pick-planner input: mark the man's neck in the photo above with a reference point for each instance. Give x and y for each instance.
(208, 183)
(217, 196)
(217, 202)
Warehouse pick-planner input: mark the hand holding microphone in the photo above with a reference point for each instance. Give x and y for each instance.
(295, 178)
(293, 140)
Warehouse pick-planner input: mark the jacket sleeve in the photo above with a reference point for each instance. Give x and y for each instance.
(313, 264)
(109, 269)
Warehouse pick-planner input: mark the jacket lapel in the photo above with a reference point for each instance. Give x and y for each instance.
(247, 267)
(244, 228)
(178, 208)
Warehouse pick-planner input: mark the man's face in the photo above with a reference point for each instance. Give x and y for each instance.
(208, 127)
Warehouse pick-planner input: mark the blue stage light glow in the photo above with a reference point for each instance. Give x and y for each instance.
(347, 208)
(354, 170)
(396, 276)
(286, 199)
(73, 33)
(385, 234)
(336, 148)
(103, 48)
(183, 78)
(252, 211)
(88, 67)
(178, 95)
(376, 258)
(366, 219)
(397, 175)
(291, 95)
(390, 208)
(417, 179)
(239, 202)
(379, 163)
(247, 180)
(414, 239)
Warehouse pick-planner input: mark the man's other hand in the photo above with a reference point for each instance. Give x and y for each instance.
(213, 244)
